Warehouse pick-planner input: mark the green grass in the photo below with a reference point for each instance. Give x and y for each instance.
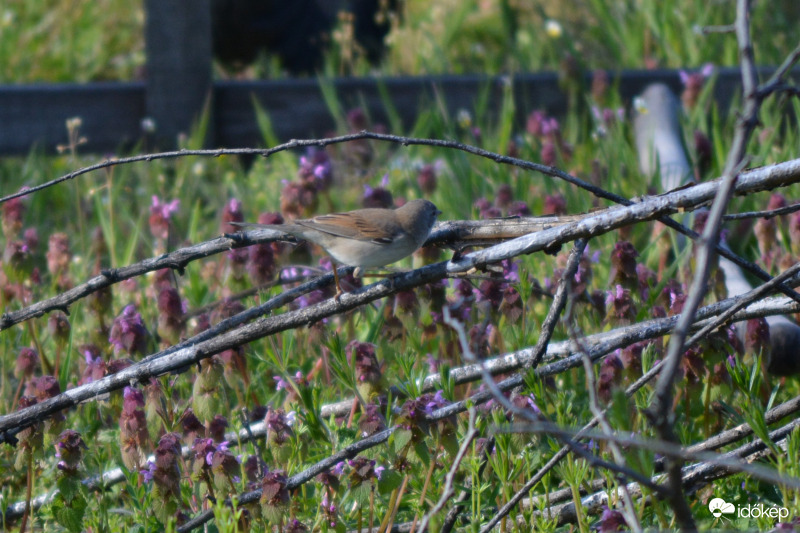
(92, 41)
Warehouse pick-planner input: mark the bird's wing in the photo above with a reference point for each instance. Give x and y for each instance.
(348, 225)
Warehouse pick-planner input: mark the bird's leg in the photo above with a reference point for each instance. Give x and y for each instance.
(339, 290)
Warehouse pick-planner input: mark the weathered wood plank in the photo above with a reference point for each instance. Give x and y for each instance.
(112, 112)
(35, 115)
(178, 50)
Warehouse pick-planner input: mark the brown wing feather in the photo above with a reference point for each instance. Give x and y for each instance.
(351, 226)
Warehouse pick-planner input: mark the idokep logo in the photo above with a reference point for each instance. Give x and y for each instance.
(758, 510)
(719, 507)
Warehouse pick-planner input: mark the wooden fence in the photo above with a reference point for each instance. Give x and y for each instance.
(179, 84)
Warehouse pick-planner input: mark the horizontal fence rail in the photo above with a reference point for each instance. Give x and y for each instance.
(34, 116)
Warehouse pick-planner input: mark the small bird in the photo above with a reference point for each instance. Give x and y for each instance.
(365, 238)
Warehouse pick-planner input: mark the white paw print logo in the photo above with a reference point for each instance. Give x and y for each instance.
(718, 507)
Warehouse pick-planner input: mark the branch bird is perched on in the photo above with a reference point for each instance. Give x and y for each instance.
(365, 238)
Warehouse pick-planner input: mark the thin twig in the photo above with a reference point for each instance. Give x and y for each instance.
(763, 214)
(693, 476)
(659, 413)
(669, 449)
(717, 441)
(746, 299)
(449, 522)
(449, 490)
(559, 301)
(241, 295)
(304, 143)
(724, 28)
(628, 509)
(774, 83)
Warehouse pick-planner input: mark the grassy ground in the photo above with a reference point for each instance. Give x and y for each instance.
(62, 236)
(91, 41)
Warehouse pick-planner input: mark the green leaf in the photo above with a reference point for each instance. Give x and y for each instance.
(70, 516)
(316, 426)
(285, 160)
(362, 492)
(390, 480)
(273, 514)
(376, 325)
(282, 453)
(205, 403)
(21, 459)
(401, 438)
(69, 487)
(164, 504)
(449, 442)
(345, 435)
(421, 449)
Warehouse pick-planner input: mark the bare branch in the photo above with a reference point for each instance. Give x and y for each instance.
(743, 301)
(726, 28)
(628, 509)
(449, 233)
(659, 412)
(449, 490)
(693, 476)
(763, 214)
(559, 301)
(452, 515)
(728, 461)
(774, 83)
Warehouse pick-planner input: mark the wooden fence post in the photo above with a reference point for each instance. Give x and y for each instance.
(178, 48)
